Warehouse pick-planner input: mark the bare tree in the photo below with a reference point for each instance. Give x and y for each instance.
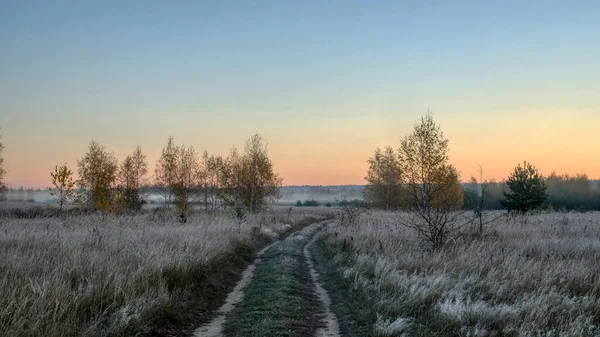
(350, 213)
(2, 170)
(186, 180)
(433, 195)
(212, 179)
(231, 180)
(97, 177)
(219, 168)
(132, 177)
(203, 179)
(165, 172)
(481, 216)
(385, 179)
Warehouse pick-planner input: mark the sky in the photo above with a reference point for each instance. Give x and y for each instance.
(325, 82)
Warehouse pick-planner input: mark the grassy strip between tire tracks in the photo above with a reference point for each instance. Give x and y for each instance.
(280, 300)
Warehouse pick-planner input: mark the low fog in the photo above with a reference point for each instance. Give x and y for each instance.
(38, 196)
(321, 194)
(289, 194)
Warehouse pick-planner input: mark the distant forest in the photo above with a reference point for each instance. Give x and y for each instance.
(570, 193)
(565, 192)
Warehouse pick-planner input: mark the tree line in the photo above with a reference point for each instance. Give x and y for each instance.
(397, 177)
(242, 181)
(565, 192)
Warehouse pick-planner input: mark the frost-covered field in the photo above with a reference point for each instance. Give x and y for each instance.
(85, 276)
(528, 276)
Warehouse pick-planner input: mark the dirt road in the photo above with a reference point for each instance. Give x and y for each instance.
(215, 327)
(278, 294)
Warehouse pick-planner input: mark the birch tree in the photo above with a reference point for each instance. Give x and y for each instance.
(63, 185)
(97, 177)
(132, 176)
(249, 179)
(165, 172)
(384, 179)
(186, 180)
(433, 194)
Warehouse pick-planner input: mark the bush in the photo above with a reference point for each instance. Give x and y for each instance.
(353, 203)
(311, 203)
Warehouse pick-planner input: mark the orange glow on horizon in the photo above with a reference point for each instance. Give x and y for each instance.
(335, 152)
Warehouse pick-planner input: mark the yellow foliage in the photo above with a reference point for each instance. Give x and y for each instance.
(63, 184)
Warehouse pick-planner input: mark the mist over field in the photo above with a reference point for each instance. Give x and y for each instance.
(289, 194)
(37, 196)
(321, 194)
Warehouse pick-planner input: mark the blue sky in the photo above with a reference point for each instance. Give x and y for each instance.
(301, 73)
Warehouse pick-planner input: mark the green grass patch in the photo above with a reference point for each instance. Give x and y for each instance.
(280, 300)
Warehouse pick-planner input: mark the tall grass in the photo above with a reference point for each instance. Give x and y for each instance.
(88, 276)
(528, 276)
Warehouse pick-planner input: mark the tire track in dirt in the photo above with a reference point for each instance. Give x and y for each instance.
(328, 325)
(331, 327)
(215, 327)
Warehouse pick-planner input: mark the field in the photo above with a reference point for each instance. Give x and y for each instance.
(535, 275)
(117, 276)
(299, 168)
(149, 275)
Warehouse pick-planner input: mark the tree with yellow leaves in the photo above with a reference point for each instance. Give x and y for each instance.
(384, 180)
(433, 194)
(260, 182)
(63, 185)
(98, 177)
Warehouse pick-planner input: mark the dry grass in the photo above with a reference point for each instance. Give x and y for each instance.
(529, 276)
(87, 277)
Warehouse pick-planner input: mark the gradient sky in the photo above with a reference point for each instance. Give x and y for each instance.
(324, 82)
